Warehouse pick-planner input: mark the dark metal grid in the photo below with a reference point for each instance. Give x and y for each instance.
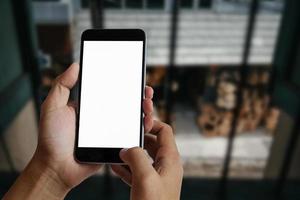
(287, 160)
(290, 150)
(28, 50)
(97, 21)
(169, 96)
(28, 45)
(243, 69)
(96, 12)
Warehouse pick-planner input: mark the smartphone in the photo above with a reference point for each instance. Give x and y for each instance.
(111, 91)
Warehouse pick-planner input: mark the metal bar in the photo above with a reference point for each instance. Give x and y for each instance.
(222, 190)
(287, 160)
(7, 154)
(289, 154)
(169, 97)
(96, 10)
(28, 44)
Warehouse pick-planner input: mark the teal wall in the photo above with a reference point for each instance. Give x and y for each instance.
(15, 82)
(10, 57)
(286, 93)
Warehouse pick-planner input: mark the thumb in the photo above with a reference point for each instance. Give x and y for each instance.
(137, 160)
(60, 91)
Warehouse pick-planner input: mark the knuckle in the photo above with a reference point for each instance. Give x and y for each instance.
(132, 152)
(56, 80)
(180, 164)
(55, 84)
(177, 165)
(44, 105)
(176, 157)
(135, 150)
(148, 178)
(180, 170)
(168, 128)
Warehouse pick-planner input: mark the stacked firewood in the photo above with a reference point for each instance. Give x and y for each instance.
(226, 91)
(155, 78)
(215, 118)
(214, 122)
(255, 102)
(252, 111)
(271, 119)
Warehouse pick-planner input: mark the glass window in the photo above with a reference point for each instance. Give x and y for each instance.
(186, 4)
(155, 4)
(205, 3)
(206, 77)
(112, 3)
(134, 4)
(84, 3)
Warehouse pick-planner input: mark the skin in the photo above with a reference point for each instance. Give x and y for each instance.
(53, 172)
(160, 179)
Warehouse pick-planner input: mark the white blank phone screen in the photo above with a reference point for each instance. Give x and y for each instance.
(110, 105)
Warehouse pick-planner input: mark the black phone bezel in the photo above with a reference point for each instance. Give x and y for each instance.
(107, 155)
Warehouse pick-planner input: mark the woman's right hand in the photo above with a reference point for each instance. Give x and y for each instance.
(159, 180)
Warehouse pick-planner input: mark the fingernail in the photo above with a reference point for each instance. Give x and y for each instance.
(123, 151)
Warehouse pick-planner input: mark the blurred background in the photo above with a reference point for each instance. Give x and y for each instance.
(225, 73)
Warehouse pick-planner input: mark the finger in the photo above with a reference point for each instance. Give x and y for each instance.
(69, 77)
(137, 160)
(147, 106)
(148, 123)
(59, 93)
(149, 92)
(167, 154)
(73, 104)
(164, 133)
(123, 173)
(151, 145)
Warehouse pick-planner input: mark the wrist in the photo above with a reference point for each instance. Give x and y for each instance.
(38, 181)
(45, 179)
